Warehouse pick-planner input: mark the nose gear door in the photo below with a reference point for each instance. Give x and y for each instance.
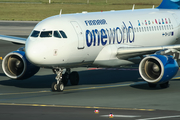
(79, 34)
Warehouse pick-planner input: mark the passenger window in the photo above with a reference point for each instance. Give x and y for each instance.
(46, 34)
(139, 29)
(56, 34)
(167, 27)
(159, 27)
(142, 29)
(164, 27)
(149, 28)
(134, 29)
(172, 26)
(145, 29)
(154, 28)
(35, 33)
(63, 34)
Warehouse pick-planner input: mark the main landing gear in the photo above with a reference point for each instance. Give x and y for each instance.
(62, 79)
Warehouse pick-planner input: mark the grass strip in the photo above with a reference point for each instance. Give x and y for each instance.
(36, 10)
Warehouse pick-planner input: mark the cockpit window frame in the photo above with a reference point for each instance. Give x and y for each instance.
(35, 33)
(59, 35)
(63, 34)
(46, 34)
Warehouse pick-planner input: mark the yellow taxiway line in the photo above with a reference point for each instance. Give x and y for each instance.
(66, 106)
(67, 90)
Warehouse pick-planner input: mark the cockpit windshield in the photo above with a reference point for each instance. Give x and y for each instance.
(43, 34)
(46, 34)
(63, 34)
(35, 33)
(56, 34)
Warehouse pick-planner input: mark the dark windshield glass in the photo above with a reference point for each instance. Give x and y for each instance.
(56, 34)
(46, 34)
(35, 33)
(63, 34)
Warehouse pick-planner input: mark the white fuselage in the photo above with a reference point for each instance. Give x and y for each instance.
(88, 33)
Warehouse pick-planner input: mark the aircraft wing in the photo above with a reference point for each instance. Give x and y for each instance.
(111, 54)
(128, 52)
(13, 39)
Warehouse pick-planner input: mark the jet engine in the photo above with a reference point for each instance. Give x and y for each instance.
(16, 66)
(158, 69)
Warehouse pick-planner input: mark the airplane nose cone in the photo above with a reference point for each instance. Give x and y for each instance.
(35, 52)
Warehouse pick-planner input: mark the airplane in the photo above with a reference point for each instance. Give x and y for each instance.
(143, 37)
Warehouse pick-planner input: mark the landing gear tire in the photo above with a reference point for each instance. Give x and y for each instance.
(60, 87)
(151, 85)
(65, 78)
(165, 85)
(74, 78)
(54, 86)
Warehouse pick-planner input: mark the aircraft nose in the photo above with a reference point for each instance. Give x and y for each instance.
(35, 52)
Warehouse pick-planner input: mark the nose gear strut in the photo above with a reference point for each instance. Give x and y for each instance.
(58, 86)
(62, 79)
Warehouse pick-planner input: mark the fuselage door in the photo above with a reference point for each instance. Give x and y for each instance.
(79, 34)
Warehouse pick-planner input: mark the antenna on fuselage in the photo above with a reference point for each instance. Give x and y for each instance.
(133, 7)
(60, 12)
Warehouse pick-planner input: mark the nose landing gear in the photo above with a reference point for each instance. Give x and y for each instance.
(58, 86)
(62, 79)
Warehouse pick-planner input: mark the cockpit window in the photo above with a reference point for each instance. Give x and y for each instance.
(56, 34)
(35, 33)
(46, 34)
(63, 34)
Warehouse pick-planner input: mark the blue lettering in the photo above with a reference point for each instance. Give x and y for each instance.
(103, 36)
(119, 36)
(86, 23)
(111, 35)
(98, 22)
(94, 22)
(96, 32)
(88, 34)
(125, 35)
(104, 21)
(114, 35)
(129, 33)
(90, 22)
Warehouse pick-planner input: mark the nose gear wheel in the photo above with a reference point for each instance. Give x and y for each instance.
(62, 79)
(58, 86)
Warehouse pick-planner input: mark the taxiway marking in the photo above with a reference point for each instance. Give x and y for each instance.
(23, 93)
(84, 88)
(77, 89)
(122, 116)
(66, 106)
(158, 118)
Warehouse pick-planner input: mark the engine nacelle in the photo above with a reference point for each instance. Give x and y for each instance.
(16, 66)
(158, 69)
